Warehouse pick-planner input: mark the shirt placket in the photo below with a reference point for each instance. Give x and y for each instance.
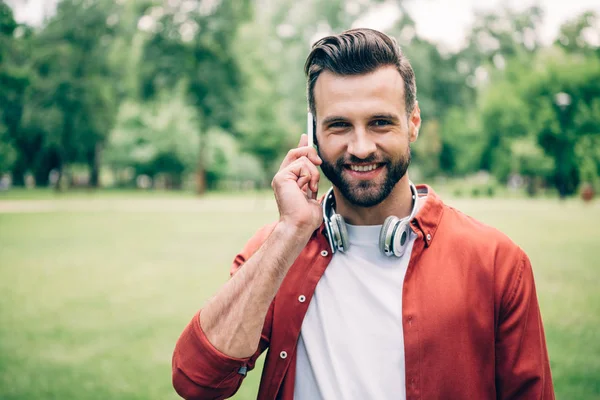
(412, 345)
(297, 300)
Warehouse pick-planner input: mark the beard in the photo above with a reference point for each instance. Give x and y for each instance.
(365, 193)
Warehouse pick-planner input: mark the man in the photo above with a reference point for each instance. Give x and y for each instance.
(388, 294)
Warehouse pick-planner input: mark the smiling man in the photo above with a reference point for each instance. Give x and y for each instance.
(378, 290)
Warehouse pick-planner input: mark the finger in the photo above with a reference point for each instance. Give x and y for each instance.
(294, 154)
(312, 169)
(310, 186)
(314, 184)
(303, 140)
(306, 167)
(303, 182)
(299, 168)
(305, 187)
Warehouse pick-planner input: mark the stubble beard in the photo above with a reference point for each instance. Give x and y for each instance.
(365, 193)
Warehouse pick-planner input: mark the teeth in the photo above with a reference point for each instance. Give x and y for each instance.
(363, 168)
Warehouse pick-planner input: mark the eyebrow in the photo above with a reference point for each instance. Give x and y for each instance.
(391, 117)
(332, 119)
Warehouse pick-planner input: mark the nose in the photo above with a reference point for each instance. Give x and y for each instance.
(361, 146)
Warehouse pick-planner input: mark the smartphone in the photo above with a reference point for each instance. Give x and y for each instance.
(311, 134)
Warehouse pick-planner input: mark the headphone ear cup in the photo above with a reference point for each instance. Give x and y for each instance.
(401, 238)
(386, 235)
(340, 232)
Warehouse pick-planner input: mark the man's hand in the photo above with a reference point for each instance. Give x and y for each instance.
(297, 173)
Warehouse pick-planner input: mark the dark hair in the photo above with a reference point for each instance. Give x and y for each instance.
(356, 52)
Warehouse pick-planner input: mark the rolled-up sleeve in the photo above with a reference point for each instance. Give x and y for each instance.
(522, 363)
(200, 371)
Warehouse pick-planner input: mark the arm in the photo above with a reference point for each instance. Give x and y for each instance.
(522, 364)
(233, 319)
(226, 334)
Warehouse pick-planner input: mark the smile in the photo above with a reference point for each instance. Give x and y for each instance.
(363, 168)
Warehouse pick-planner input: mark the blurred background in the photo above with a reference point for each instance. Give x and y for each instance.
(138, 139)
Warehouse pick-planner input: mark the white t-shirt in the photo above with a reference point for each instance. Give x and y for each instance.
(351, 344)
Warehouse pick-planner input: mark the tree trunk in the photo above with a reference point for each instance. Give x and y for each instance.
(200, 179)
(18, 173)
(200, 168)
(58, 184)
(94, 165)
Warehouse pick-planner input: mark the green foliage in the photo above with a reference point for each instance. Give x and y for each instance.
(69, 103)
(193, 41)
(529, 159)
(463, 141)
(13, 81)
(425, 152)
(261, 125)
(159, 136)
(563, 109)
(575, 35)
(8, 154)
(228, 166)
(229, 78)
(587, 152)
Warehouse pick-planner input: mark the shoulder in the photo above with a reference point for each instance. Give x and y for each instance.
(493, 252)
(476, 235)
(488, 253)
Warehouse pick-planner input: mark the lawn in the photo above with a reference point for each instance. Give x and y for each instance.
(96, 289)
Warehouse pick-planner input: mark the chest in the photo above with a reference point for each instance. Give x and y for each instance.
(359, 291)
(441, 294)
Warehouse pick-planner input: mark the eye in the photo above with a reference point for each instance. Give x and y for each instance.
(381, 122)
(339, 124)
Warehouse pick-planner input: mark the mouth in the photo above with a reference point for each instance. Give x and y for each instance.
(364, 171)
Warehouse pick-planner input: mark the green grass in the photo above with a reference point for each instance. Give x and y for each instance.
(93, 299)
(19, 193)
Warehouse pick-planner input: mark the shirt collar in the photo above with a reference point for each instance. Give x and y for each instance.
(429, 215)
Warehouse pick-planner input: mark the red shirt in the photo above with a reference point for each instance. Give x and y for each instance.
(472, 324)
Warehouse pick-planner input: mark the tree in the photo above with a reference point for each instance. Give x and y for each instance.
(71, 103)
(13, 82)
(193, 41)
(564, 109)
(260, 127)
(581, 35)
(552, 103)
(155, 138)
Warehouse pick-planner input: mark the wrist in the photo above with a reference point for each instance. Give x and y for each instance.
(294, 231)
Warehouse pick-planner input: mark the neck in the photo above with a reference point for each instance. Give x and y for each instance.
(398, 203)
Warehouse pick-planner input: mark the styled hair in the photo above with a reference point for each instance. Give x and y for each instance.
(357, 52)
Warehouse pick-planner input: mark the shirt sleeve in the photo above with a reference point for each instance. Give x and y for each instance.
(522, 363)
(199, 370)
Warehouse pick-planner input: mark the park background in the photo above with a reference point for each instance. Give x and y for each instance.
(138, 140)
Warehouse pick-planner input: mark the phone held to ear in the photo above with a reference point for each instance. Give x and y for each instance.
(310, 132)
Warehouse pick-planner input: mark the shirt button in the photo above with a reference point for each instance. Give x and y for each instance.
(283, 354)
(428, 237)
(324, 253)
(301, 298)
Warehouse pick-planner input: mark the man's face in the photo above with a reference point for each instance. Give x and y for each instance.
(364, 133)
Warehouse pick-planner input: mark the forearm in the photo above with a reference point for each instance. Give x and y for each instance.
(233, 319)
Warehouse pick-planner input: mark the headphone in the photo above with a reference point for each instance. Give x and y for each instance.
(393, 236)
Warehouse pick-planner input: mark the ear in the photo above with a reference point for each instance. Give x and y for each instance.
(414, 123)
